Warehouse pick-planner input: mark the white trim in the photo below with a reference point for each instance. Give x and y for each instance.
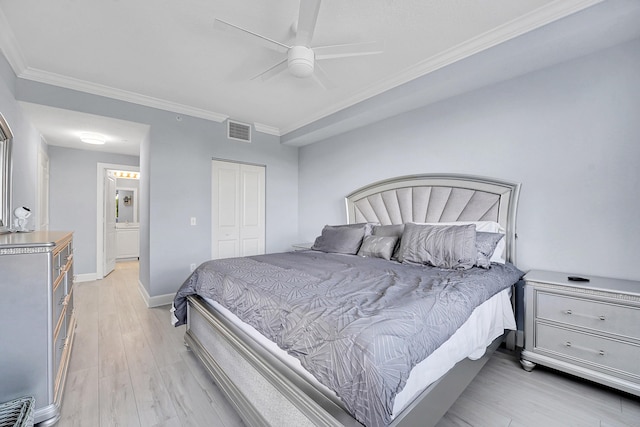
(101, 168)
(271, 130)
(158, 300)
(86, 277)
(114, 93)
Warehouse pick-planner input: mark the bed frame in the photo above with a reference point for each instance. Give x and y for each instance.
(265, 392)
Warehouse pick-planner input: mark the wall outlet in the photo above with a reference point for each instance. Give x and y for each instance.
(193, 220)
(192, 266)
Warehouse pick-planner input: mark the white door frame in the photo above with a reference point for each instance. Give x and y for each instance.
(101, 170)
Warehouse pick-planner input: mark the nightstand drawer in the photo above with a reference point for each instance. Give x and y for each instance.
(608, 354)
(599, 316)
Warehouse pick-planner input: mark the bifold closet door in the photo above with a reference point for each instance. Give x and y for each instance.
(237, 210)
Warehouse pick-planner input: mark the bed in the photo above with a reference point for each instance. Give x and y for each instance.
(268, 386)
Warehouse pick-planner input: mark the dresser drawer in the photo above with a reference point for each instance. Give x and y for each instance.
(58, 346)
(607, 354)
(600, 316)
(59, 298)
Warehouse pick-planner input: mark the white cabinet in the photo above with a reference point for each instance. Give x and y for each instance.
(37, 319)
(127, 241)
(586, 328)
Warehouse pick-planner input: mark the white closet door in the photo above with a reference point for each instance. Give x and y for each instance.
(238, 220)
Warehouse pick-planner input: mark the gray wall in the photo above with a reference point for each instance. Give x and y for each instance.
(176, 160)
(569, 133)
(26, 143)
(73, 178)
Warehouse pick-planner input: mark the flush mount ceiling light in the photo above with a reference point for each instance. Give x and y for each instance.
(92, 138)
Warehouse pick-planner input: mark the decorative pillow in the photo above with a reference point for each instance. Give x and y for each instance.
(378, 246)
(342, 239)
(390, 231)
(445, 246)
(486, 245)
(486, 226)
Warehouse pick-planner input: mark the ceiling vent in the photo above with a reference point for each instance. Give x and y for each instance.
(238, 131)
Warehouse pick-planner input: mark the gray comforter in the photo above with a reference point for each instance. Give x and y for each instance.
(357, 324)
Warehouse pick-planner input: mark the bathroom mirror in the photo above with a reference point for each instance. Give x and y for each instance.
(6, 140)
(126, 205)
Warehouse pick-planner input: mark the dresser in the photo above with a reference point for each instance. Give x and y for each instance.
(590, 329)
(36, 318)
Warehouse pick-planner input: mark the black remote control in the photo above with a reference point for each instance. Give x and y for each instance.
(577, 279)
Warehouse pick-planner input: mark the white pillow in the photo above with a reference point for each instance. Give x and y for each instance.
(489, 226)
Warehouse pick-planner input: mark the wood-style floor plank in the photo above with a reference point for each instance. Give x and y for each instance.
(129, 367)
(117, 402)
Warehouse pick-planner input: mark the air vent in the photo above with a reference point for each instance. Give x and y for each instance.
(238, 131)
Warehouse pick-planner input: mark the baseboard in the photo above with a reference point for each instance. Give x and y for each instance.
(87, 277)
(155, 301)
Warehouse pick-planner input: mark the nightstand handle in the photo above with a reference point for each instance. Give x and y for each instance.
(569, 312)
(568, 344)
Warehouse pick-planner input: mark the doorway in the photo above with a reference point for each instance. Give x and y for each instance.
(105, 227)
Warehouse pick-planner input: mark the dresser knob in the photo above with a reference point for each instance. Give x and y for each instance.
(601, 352)
(568, 312)
(568, 343)
(601, 317)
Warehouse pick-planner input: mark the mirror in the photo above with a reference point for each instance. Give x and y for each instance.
(6, 139)
(126, 205)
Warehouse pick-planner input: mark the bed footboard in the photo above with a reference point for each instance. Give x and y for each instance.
(265, 392)
(260, 387)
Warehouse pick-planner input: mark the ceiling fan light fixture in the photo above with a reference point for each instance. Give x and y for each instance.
(300, 61)
(92, 138)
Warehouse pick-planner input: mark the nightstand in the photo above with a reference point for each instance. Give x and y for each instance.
(590, 329)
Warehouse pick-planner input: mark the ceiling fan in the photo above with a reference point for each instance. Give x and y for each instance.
(301, 59)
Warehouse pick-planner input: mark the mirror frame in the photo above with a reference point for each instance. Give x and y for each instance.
(6, 142)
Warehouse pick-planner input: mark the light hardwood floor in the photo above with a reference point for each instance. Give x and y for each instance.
(129, 367)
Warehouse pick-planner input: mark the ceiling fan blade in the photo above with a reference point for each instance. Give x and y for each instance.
(250, 35)
(346, 50)
(272, 71)
(320, 76)
(307, 18)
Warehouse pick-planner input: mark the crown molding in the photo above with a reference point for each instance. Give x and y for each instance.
(271, 130)
(544, 15)
(122, 95)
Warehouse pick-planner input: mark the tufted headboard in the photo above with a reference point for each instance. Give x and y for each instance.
(438, 198)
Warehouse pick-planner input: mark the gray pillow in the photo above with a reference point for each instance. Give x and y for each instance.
(445, 246)
(486, 245)
(342, 239)
(390, 231)
(378, 246)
